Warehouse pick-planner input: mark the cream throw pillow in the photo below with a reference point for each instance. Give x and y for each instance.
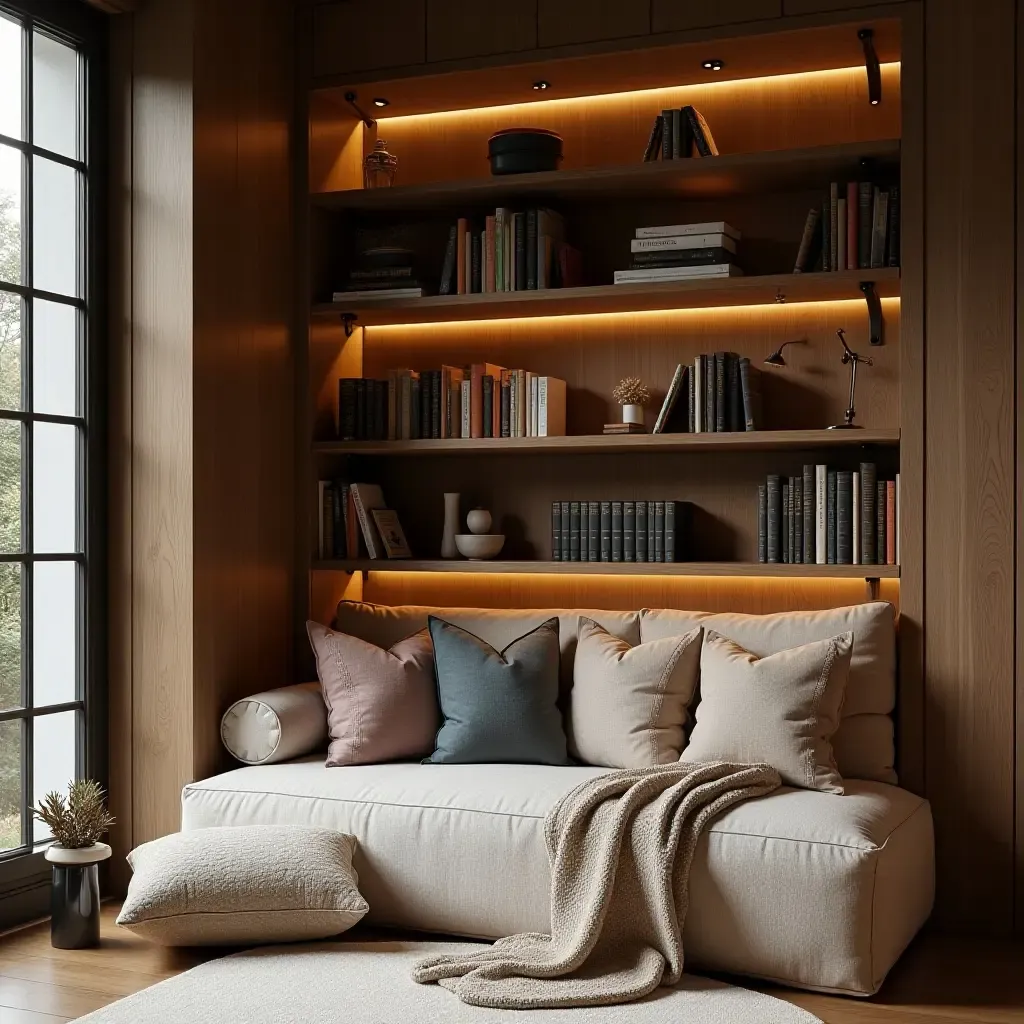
(242, 886)
(781, 709)
(629, 704)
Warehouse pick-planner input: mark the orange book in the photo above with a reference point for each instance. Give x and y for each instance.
(460, 255)
(477, 372)
(890, 522)
(852, 233)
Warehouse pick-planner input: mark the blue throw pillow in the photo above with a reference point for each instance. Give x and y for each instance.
(498, 706)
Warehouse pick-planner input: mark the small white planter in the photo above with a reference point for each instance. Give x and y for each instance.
(77, 858)
(633, 414)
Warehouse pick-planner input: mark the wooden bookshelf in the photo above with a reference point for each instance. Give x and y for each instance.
(618, 568)
(703, 293)
(597, 444)
(720, 177)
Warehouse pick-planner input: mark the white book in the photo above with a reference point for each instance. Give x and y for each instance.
(467, 399)
(821, 514)
(382, 294)
(698, 397)
(897, 514)
(669, 242)
(534, 405)
(513, 405)
(856, 518)
(841, 229)
(715, 227)
(649, 274)
(367, 497)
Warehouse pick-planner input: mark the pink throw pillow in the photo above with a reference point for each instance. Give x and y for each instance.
(381, 705)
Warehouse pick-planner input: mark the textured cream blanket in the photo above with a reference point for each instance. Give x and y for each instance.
(620, 848)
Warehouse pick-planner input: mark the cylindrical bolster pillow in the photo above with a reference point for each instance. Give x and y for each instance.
(276, 725)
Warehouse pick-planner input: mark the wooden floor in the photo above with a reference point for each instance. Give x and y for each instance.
(940, 980)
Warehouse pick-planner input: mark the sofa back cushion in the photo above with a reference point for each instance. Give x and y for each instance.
(863, 744)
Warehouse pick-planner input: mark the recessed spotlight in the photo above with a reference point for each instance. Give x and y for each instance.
(541, 85)
(874, 103)
(713, 65)
(379, 101)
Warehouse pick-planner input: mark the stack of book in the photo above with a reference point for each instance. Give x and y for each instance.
(677, 134)
(509, 252)
(720, 392)
(383, 273)
(620, 531)
(679, 252)
(829, 517)
(481, 400)
(354, 522)
(857, 227)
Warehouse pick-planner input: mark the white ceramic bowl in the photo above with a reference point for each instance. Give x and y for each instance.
(476, 546)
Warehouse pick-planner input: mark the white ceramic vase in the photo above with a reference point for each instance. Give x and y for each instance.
(451, 525)
(633, 414)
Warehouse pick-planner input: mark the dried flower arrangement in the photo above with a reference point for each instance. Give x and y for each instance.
(79, 821)
(631, 391)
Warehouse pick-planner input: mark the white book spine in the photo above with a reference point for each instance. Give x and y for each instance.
(856, 518)
(676, 273)
(467, 398)
(513, 404)
(682, 242)
(534, 403)
(542, 407)
(821, 514)
(716, 227)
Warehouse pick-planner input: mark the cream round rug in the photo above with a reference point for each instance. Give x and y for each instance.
(369, 983)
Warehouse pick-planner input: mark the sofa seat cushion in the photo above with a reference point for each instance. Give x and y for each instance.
(805, 888)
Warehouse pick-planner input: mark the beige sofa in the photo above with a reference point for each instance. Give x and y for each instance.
(801, 887)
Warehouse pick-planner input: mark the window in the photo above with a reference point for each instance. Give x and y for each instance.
(48, 326)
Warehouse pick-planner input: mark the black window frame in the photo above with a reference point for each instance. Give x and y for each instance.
(24, 875)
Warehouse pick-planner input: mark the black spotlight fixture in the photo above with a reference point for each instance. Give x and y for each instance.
(777, 358)
(867, 41)
(350, 99)
(541, 84)
(379, 101)
(713, 64)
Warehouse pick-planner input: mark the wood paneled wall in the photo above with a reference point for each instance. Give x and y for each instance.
(202, 424)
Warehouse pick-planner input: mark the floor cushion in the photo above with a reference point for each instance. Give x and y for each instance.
(806, 888)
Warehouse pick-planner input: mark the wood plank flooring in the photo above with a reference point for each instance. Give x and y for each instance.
(940, 980)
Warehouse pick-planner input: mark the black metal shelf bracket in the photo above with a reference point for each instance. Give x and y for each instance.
(348, 322)
(874, 312)
(350, 99)
(867, 41)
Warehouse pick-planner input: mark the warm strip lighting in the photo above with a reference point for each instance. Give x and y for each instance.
(836, 306)
(413, 576)
(813, 79)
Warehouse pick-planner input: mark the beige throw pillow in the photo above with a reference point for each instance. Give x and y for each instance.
(381, 705)
(781, 709)
(243, 885)
(629, 704)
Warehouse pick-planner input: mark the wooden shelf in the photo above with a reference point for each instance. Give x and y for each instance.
(758, 440)
(619, 568)
(623, 298)
(717, 177)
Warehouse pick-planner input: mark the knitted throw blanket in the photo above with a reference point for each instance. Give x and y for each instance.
(620, 848)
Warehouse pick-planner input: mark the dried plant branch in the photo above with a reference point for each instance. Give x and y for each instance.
(81, 819)
(631, 391)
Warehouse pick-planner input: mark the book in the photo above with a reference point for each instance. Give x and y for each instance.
(868, 513)
(355, 546)
(593, 532)
(584, 531)
(721, 421)
(653, 147)
(671, 397)
(890, 522)
(556, 531)
(856, 515)
(830, 517)
(787, 516)
(416, 386)
(715, 227)
(710, 412)
(808, 516)
(617, 531)
(531, 250)
(681, 258)
(659, 531)
(368, 497)
(566, 529)
(852, 228)
(467, 412)
(880, 522)
(833, 226)
(878, 228)
(325, 519)
(341, 519)
(476, 263)
(505, 426)
(893, 244)
(805, 253)
(652, 274)
(667, 243)
(865, 206)
(489, 268)
(368, 294)
(750, 391)
(488, 405)
(462, 230)
(678, 145)
(898, 510)
(774, 544)
(574, 531)
(826, 235)
(606, 531)
(675, 530)
(520, 252)
(435, 404)
(844, 517)
(651, 527)
(841, 225)
(391, 533)
(762, 523)
(448, 266)
(666, 135)
(629, 531)
(703, 140)
(550, 407)
(346, 418)
(623, 428)
(820, 515)
(641, 531)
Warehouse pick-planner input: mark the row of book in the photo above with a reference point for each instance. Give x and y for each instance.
(857, 227)
(829, 517)
(397, 282)
(679, 133)
(678, 252)
(509, 252)
(619, 531)
(354, 522)
(720, 392)
(480, 400)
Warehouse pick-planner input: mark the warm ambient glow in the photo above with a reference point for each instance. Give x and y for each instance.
(835, 306)
(657, 97)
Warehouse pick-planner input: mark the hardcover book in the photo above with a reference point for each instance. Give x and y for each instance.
(868, 513)
(641, 531)
(556, 531)
(574, 531)
(617, 528)
(762, 523)
(844, 517)
(629, 531)
(606, 531)
(774, 545)
(593, 532)
(831, 518)
(659, 531)
(808, 515)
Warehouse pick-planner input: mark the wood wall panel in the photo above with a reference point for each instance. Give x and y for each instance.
(560, 22)
(678, 15)
(467, 28)
(1019, 817)
(969, 457)
(367, 35)
(796, 7)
